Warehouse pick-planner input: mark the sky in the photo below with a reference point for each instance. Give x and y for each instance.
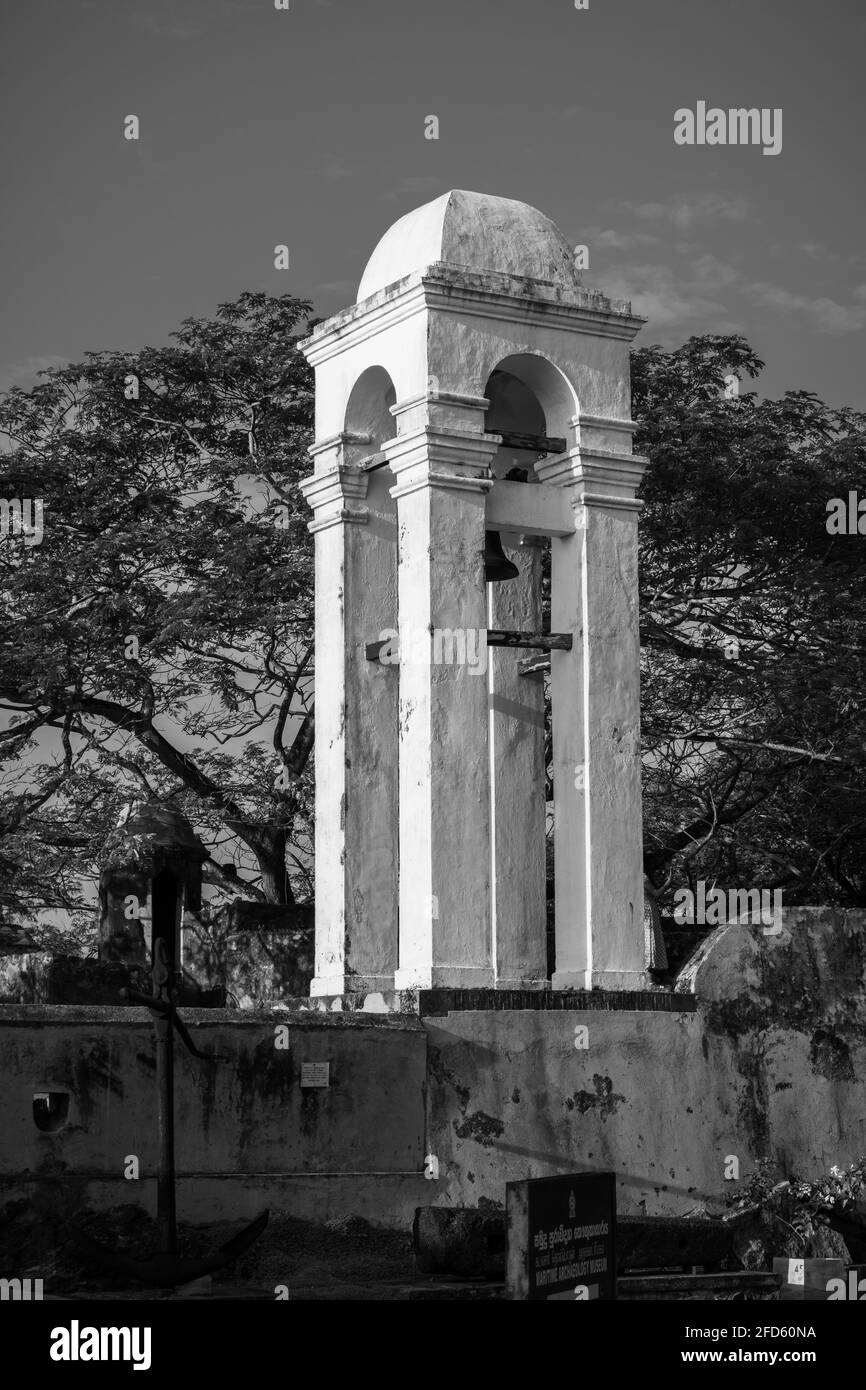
(306, 127)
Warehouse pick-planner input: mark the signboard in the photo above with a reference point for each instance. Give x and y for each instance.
(315, 1074)
(561, 1237)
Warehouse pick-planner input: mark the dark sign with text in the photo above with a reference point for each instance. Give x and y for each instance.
(562, 1237)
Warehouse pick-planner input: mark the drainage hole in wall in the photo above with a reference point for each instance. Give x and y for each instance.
(50, 1110)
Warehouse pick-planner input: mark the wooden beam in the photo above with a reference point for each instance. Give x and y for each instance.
(540, 641)
(498, 637)
(538, 443)
(534, 666)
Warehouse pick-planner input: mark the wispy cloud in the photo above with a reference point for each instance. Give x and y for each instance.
(818, 251)
(606, 239)
(821, 313)
(666, 298)
(26, 372)
(697, 293)
(685, 210)
(162, 26)
(335, 169)
(341, 287)
(418, 185)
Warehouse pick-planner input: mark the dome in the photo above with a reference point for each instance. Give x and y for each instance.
(163, 825)
(475, 231)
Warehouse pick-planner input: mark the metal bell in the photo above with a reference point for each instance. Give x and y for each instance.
(497, 565)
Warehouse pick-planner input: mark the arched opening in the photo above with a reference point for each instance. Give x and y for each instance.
(529, 396)
(527, 393)
(368, 409)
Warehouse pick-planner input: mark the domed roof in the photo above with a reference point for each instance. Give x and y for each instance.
(160, 823)
(478, 232)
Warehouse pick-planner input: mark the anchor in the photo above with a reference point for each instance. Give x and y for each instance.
(157, 845)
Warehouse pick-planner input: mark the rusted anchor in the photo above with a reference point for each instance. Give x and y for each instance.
(166, 1269)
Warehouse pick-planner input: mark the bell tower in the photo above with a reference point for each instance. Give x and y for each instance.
(473, 407)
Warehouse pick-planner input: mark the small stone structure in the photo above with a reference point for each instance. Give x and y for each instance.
(474, 359)
(151, 871)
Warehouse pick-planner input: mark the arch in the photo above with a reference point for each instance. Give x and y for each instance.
(368, 409)
(523, 377)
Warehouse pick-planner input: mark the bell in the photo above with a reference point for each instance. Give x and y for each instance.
(497, 565)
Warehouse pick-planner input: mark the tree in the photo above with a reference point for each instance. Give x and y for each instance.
(158, 641)
(752, 629)
(173, 517)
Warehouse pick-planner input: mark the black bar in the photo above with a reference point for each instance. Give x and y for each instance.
(541, 641)
(541, 443)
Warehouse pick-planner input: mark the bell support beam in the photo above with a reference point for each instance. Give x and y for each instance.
(495, 637)
(530, 508)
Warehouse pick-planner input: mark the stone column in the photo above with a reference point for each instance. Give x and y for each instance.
(356, 725)
(443, 475)
(518, 783)
(596, 719)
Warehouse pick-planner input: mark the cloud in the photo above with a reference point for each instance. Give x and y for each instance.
(685, 210)
(344, 290)
(823, 314)
(711, 273)
(688, 294)
(666, 298)
(418, 185)
(25, 373)
(606, 239)
(818, 251)
(334, 169)
(157, 26)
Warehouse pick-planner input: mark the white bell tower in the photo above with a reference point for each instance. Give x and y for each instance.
(475, 387)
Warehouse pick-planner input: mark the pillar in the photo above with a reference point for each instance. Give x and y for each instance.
(442, 478)
(598, 836)
(356, 725)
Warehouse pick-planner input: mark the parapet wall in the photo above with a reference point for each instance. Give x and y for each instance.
(768, 1060)
(247, 1133)
(764, 1058)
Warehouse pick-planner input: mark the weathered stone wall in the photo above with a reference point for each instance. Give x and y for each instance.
(772, 1064)
(768, 1061)
(247, 1134)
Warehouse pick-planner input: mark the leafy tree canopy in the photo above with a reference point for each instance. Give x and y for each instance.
(172, 516)
(158, 640)
(752, 629)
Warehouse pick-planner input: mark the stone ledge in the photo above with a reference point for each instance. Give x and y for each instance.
(445, 1001)
(131, 1016)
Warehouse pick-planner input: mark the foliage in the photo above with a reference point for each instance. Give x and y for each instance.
(801, 1204)
(172, 516)
(752, 630)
